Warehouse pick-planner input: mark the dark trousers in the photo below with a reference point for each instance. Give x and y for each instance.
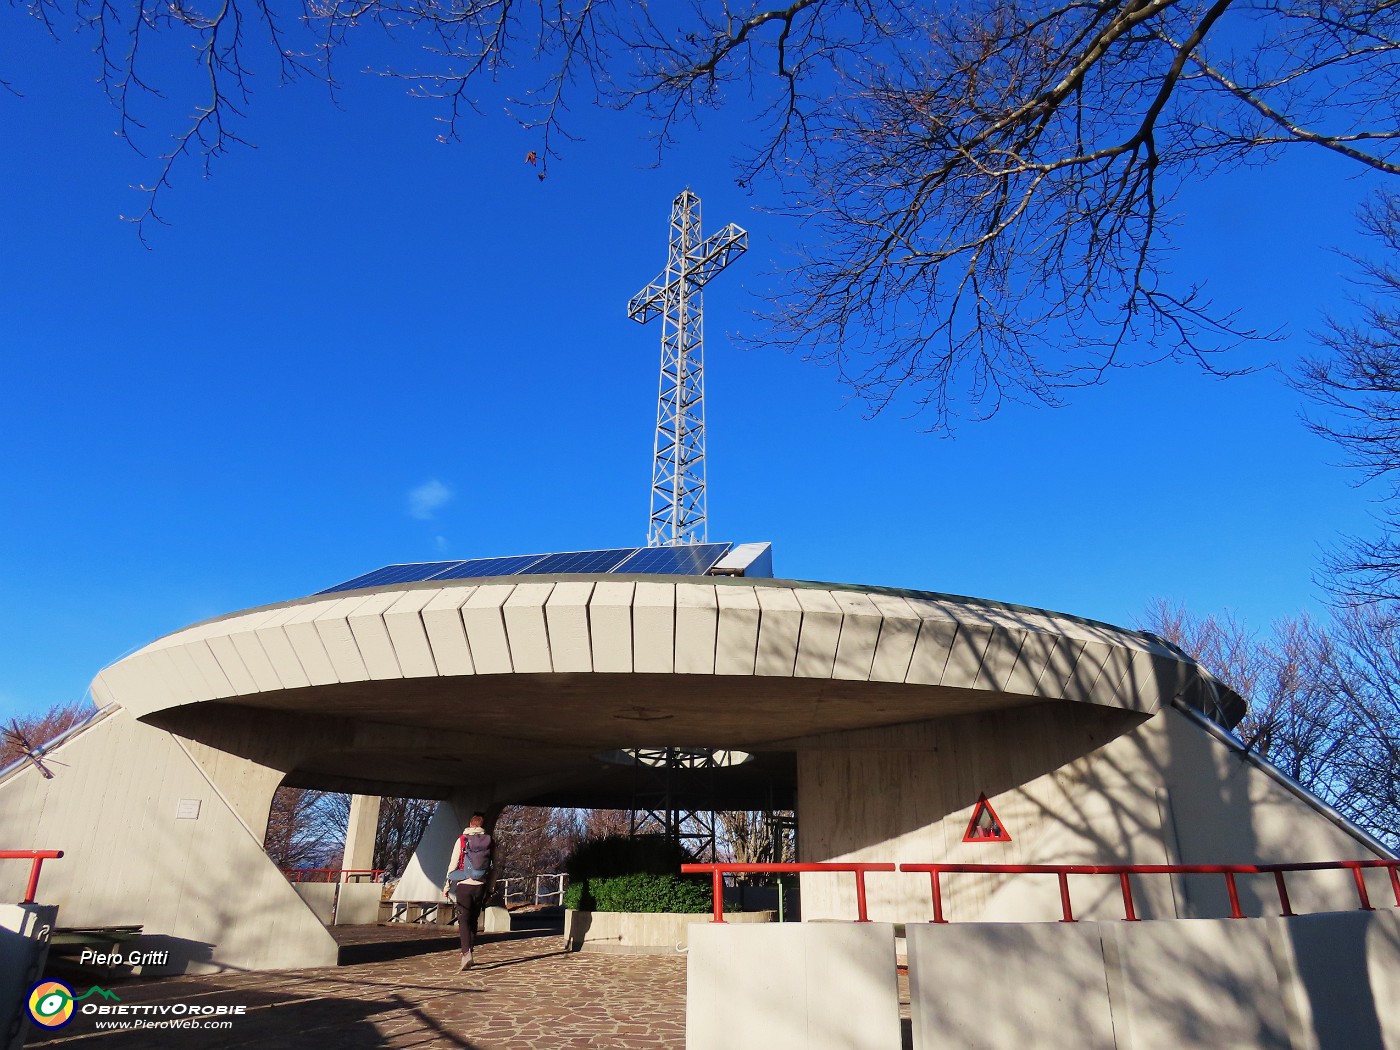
(469, 902)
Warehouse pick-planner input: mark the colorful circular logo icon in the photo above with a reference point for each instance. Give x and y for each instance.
(51, 1004)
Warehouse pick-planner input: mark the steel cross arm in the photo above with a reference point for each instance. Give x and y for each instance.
(711, 256)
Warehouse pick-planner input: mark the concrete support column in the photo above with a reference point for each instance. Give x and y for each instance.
(427, 868)
(360, 832)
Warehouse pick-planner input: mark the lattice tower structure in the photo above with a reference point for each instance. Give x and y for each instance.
(654, 807)
(678, 512)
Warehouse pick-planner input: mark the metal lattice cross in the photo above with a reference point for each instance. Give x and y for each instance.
(678, 464)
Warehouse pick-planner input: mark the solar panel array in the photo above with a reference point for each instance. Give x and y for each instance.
(695, 559)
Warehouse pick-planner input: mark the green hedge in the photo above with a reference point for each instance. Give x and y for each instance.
(641, 891)
(634, 874)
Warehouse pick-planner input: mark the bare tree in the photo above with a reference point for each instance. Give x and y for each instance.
(602, 823)
(534, 840)
(26, 732)
(303, 830)
(401, 825)
(986, 186)
(755, 836)
(1362, 671)
(1355, 388)
(1323, 701)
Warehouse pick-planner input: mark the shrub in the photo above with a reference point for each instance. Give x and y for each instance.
(641, 891)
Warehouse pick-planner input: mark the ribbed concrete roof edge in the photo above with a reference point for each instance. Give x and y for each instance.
(527, 646)
(1146, 638)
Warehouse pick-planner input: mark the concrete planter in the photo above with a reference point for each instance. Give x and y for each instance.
(640, 933)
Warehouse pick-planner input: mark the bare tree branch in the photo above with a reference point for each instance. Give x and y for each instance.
(986, 188)
(1355, 390)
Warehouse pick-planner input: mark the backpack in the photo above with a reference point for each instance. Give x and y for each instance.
(468, 870)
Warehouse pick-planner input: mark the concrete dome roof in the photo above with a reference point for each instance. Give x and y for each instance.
(411, 687)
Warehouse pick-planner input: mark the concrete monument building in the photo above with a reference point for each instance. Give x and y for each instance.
(903, 727)
(883, 717)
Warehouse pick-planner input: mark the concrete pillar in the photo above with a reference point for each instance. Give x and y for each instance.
(360, 832)
(427, 868)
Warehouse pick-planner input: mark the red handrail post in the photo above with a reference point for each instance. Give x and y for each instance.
(34, 868)
(1064, 898)
(1360, 877)
(1235, 912)
(860, 896)
(717, 875)
(1283, 900)
(1129, 913)
(1394, 871)
(938, 896)
(36, 858)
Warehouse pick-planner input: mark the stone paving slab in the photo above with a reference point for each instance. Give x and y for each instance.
(525, 993)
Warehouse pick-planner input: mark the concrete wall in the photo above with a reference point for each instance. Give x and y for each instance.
(627, 931)
(149, 839)
(792, 986)
(1318, 982)
(25, 930)
(342, 904)
(358, 904)
(320, 898)
(979, 986)
(1224, 810)
(1072, 785)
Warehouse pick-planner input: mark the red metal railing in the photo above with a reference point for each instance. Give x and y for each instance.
(718, 871)
(1063, 872)
(1123, 871)
(38, 856)
(331, 874)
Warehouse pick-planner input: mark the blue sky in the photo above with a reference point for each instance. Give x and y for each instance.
(354, 345)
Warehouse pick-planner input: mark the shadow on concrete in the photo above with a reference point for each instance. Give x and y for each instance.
(65, 961)
(1331, 955)
(481, 968)
(401, 947)
(387, 941)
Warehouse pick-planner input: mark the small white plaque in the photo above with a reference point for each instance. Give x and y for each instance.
(188, 809)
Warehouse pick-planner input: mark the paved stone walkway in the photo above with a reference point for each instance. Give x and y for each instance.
(523, 994)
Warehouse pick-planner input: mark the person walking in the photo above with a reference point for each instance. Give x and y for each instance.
(467, 877)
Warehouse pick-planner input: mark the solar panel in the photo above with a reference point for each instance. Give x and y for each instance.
(582, 561)
(463, 570)
(691, 559)
(408, 573)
